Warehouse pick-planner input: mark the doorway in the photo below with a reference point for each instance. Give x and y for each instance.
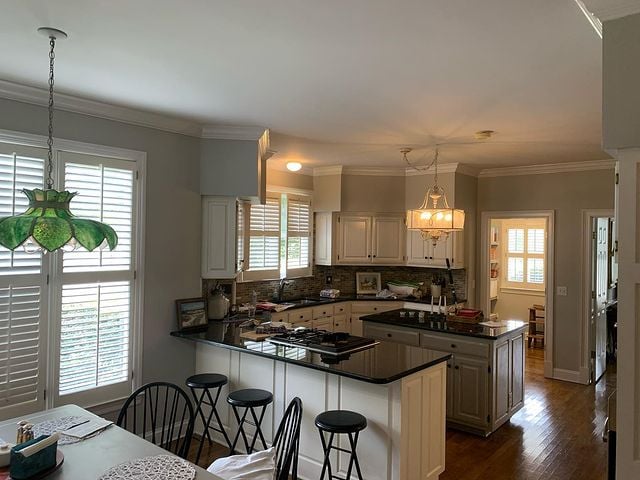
(517, 275)
(599, 292)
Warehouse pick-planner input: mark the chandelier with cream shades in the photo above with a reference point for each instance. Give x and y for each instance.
(435, 219)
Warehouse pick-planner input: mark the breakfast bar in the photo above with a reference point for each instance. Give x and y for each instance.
(399, 388)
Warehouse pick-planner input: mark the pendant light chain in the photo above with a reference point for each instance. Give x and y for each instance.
(52, 56)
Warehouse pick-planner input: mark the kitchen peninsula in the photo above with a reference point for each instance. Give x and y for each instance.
(400, 388)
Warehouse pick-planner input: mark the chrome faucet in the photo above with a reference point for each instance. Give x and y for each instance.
(283, 283)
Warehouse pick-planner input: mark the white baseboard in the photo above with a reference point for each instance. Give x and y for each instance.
(585, 375)
(566, 375)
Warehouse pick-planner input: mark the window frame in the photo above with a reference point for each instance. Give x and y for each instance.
(525, 225)
(51, 273)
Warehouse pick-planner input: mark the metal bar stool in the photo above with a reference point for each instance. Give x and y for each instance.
(249, 399)
(336, 422)
(206, 382)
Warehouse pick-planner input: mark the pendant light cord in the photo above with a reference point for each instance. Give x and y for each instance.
(52, 56)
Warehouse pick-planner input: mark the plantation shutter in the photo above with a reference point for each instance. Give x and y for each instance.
(264, 241)
(97, 289)
(298, 236)
(525, 254)
(23, 298)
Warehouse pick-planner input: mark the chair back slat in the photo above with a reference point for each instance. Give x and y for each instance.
(167, 416)
(287, 440)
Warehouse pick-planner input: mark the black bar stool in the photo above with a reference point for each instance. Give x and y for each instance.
(249, 399)
(207, 382)
(336, 422)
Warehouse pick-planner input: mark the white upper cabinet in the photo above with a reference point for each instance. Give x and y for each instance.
(422, 253)
(388, 240)
(218, 237)
(354, 239)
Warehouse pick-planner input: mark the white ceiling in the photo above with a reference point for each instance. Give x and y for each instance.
(338, 82)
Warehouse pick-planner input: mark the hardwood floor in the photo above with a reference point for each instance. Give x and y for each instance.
(557, 435)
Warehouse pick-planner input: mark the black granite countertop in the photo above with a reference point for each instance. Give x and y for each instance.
(436, 323)
(383, 363)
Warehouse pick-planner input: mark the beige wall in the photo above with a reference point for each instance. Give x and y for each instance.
(515, 306)
(289, 180)
(621, 77)
(327, 193)
(173, 237)
(466, 198)
(567, 194)
(372, 193)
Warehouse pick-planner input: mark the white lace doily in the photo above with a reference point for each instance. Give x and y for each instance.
(59, 425)
(160, 467)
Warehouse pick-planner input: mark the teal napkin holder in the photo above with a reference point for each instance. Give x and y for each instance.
(23, 468)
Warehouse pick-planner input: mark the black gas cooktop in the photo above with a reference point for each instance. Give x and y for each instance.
(331, 343)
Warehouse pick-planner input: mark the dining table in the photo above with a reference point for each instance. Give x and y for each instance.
(93, 456)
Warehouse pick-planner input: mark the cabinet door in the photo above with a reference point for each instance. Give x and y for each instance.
(324, 239)
(417, 253)
(354, 239)
(517, 372)
(470, 380)
(388, 240)
(218, 237)
(450, 387)
(502, 381)
(439, 253)
(356, 325)
(340, 323)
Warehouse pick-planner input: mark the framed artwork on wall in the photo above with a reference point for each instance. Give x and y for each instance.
(192, 313)
(368, 283)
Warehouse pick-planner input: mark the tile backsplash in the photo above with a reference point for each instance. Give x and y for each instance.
(344, 279)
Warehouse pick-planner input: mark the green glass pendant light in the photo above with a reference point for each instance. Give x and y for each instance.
(48, 224)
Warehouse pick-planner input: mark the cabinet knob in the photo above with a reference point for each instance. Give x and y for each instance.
(301, 316)
(374, 256)
(453, 345)
(448, 365)
(457, 367)
(426, 258)
(389, 335)
(375, 309)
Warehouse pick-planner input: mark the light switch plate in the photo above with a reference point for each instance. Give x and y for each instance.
(561, 291)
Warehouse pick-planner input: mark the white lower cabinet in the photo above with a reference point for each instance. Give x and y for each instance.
(485, 377)
(360, 309)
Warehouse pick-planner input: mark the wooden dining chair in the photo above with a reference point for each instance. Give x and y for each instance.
(162, 413)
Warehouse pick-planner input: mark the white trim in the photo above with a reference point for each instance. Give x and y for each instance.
(606, 10)
(523, 291)
(324, 171)
(595, 21)
(75, 104)
(485, 301)
(566, 375)
(584, 299)
(374, 171)
(233, 132)
(548, 168)
(442, 168)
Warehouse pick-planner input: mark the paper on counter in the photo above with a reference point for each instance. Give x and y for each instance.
(85, 429)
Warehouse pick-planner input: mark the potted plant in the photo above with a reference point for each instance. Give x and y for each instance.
(437, 282)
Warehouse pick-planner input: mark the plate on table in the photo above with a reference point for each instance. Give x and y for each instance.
(4, 471)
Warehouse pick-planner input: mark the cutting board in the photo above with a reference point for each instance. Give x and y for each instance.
(256, 337)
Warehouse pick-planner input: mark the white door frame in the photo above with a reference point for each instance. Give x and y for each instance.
(485, 302)
(585, 298)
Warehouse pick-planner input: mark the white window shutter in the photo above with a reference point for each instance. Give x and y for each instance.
(264, 241)
(23, 296)
(298, 253)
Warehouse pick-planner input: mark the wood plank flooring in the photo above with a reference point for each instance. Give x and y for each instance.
(557, 435)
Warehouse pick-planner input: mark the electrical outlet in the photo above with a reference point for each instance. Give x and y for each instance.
(561, 291)
(329, 279)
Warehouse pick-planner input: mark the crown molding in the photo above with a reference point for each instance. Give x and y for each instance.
(283, 168)
(324, 171)
(71, 103)
(444, 168)
(374, 171)
(232, 132)
(606, 10)
(548, 168)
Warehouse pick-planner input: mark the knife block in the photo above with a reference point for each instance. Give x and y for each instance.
(23, 468)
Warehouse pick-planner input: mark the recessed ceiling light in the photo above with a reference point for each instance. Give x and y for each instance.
(294, 166)
(483, 134)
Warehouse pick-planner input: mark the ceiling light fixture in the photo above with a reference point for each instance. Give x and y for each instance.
(483, 134)
(294, 166)
(47, 224)
(434, 218)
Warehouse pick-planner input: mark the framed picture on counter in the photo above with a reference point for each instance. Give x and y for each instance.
(367, 283)
(192, 313)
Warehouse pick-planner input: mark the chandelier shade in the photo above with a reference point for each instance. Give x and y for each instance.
(49, 225)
